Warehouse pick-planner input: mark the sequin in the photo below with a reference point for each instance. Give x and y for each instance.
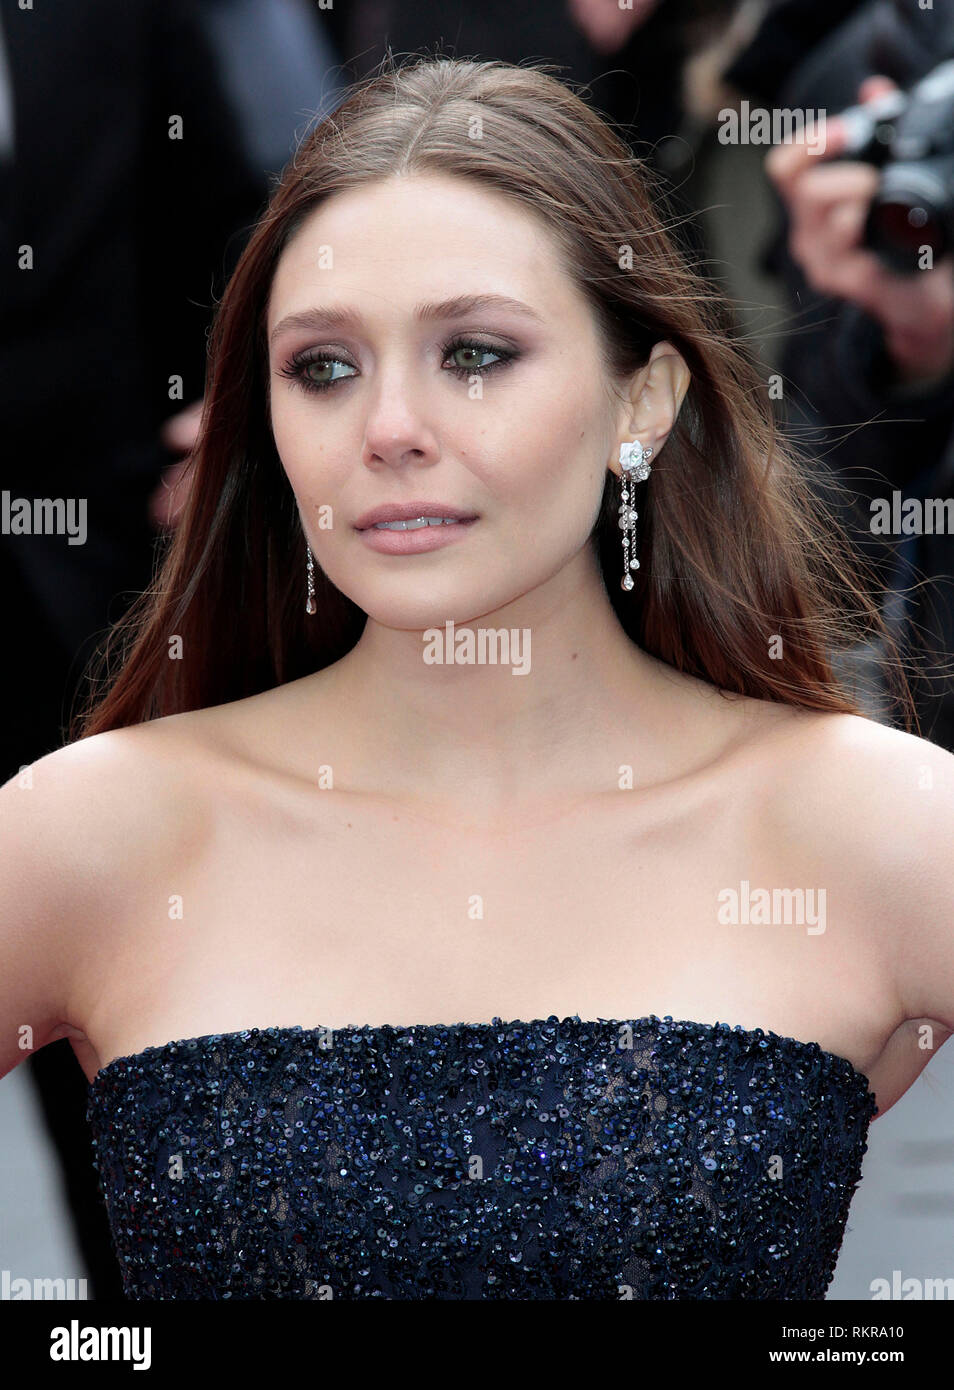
(554, 1159)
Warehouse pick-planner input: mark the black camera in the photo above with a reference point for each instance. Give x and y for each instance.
(910, 137)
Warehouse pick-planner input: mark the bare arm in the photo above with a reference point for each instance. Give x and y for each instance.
(918, 813)
(42, 888)
(78, 830)
(873, 808)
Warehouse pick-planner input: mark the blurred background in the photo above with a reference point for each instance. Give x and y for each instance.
(840, 277)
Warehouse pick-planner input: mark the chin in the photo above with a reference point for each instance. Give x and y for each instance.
(419, 616)
(425, 604)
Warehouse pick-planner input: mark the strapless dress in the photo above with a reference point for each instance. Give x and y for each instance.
(551, 1159)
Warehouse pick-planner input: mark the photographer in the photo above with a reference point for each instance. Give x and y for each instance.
(872, 354)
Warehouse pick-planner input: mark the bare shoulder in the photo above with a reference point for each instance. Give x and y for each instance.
(842, 783)
(82, 826)
(872, 809)
(863, 782)
(76, 828)
(99, 809)
(123, 805)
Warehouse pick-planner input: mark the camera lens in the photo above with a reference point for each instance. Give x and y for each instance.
(905, 227)
(910, 213)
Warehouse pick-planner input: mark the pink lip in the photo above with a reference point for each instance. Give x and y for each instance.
(421, 539)
(407, 511)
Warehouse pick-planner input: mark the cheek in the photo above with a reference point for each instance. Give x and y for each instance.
(558, 450)
(298, 449)
(546, 440)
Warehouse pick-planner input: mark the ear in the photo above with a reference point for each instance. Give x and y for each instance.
(655, 395)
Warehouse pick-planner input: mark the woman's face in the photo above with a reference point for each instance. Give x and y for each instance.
(437, 396)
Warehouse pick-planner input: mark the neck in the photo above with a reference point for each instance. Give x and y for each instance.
(557, 715)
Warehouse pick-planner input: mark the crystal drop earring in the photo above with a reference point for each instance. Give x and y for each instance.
(633, 461)
(310, 605)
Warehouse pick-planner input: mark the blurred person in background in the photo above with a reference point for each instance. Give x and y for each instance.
(871, 351)
(120, 226)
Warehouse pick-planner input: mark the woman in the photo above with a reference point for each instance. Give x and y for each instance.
(427, 796)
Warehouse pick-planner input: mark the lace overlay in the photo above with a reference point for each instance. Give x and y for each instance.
(551, 1159)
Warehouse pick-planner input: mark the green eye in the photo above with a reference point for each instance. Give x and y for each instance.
(319, 372)
(322, 364)
(504, 357)
(476, 351)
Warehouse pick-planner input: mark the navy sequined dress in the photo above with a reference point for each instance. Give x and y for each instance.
(552, 1159)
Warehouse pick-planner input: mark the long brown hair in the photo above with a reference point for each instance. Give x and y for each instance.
(735, 548)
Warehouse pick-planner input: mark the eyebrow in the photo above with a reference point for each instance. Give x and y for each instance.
(459, 307)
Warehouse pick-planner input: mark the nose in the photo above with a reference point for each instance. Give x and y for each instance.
(397, 431)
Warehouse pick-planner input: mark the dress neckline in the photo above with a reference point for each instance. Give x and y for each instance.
(409, 1030)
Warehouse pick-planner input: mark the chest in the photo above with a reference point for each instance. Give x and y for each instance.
(361, 912)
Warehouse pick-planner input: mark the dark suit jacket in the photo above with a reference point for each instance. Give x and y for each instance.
(129, 229)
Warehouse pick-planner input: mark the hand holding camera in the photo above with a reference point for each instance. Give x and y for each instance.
(873, 223)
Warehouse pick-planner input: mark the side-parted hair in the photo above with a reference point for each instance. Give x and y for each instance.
(746, 579)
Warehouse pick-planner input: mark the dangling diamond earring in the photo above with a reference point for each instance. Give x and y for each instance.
(310, 605)
(633, 461)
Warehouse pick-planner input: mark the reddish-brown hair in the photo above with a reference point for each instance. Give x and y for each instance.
(735, 548)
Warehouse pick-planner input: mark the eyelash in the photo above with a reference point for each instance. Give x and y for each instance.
(296, 367)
